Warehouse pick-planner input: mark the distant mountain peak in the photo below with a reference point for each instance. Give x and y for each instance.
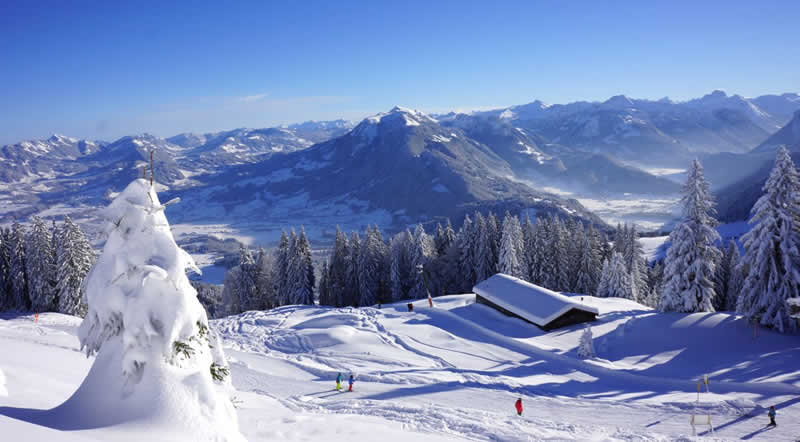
(618, 101)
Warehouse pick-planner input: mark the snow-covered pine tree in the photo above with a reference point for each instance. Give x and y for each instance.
(370, 266)
(511, 244)
(301, 270)
(736, 277)
(692, 257)
(324, 285)
(634, 261)
(338, 269)
(616, 279)
(466, 241)
(620, 235)
(484, 243)
(40, 266)
(602, 283)
(74, 258)
(280, 270)
(5, 268)
(400, 271)
(20, 299)
(725, 274)
(586, 346)
(539, 255)
(574, 231)
(558, 278)
(351, 292)
(154, 348)
(772, 253)
(494, 232)
(265, 286)
(588, 266)
(421, 252)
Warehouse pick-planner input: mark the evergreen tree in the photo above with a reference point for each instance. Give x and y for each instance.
(40, 266)
(494, 234)
(18, 275)
(466, 241)
(588, 267)
(421, 252)
(616, 279)
(6, 299)
(324, 285)
(352, 294)
(725, 275)
(74, 257)
(539, 256)
(511, 243)
(401, 264)
(736, 277)
(692, 258)
(265, 285)
(484, 245)
(280, 271)
(301, 270)
(586, 346)
(370, 267)
(338, 269)
(771, 247)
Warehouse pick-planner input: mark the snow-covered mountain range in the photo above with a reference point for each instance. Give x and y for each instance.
(403, 166)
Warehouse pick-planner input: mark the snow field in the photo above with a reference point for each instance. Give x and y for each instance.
(453, 373)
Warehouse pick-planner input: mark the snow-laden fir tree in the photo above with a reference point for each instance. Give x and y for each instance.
(371, 268)
(493, 233)
(558, 276)
(727, 278)
(484, 245)
(400, 272)
(300, 270)
(692, 257)
(586, 346)
(156, 359)
(510, 260)
(771, 254)
(445, 237)
(351, 293)
(40, 267)
(588, 274)
(467, 241)
(265, 286)
(337, 269)
(5, 264)
(74, 258)
(280, 270)
(538, 256)
(421, 252)
(615, 280)
(20, 300)
(324, 285)
(635, 262)
(736, 277)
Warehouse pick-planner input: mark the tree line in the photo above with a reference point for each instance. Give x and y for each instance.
(42, 269)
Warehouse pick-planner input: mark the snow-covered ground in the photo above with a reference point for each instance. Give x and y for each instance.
(452, 373)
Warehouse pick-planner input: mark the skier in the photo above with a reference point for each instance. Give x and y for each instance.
(338, 382)
(351, 381)
(771, 415)
(518, 405)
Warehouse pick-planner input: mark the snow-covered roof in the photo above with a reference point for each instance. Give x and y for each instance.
(536, 304)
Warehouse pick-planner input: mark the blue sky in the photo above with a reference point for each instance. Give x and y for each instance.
(106, 69)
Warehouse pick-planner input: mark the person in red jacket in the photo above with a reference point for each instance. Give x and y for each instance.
(518, 405)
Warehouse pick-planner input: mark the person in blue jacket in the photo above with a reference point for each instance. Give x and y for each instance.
(351, 381)
(771, 415)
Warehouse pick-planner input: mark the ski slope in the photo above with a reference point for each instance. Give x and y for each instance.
(453, 373)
